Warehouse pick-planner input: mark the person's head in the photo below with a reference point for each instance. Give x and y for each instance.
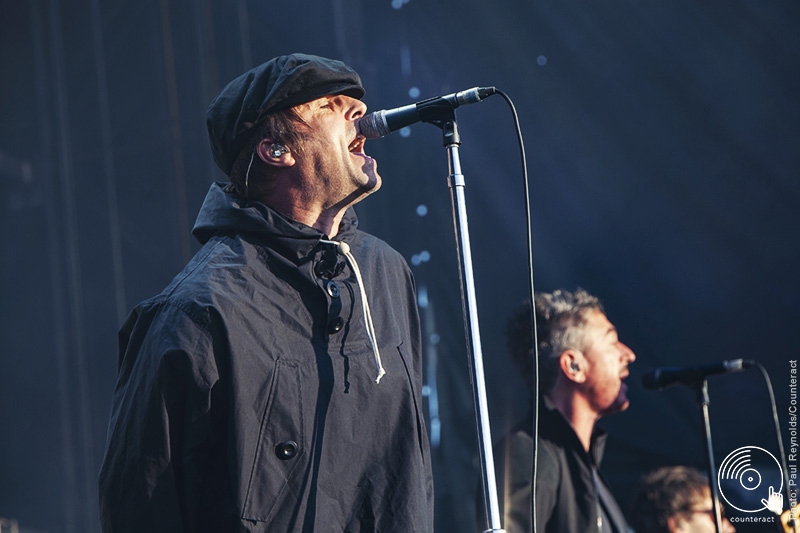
(675, 499)
(294, 115)
(578, 349)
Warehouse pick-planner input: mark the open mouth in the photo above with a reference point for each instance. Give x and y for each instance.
(357, 146)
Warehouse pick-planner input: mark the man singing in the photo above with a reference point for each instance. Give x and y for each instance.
(582, 366)
(275, 384)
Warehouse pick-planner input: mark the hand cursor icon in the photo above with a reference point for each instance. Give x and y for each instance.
(775, 502)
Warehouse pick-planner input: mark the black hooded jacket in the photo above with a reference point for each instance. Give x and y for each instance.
(246, 399)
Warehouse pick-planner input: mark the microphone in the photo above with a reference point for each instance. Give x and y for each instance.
(660, 378)
(385, 121)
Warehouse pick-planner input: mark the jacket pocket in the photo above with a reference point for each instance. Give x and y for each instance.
(281, 450)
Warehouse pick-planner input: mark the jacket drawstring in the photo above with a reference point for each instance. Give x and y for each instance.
(344, 249)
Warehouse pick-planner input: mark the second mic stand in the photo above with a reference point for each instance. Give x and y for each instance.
(701, 388)
(446, 120)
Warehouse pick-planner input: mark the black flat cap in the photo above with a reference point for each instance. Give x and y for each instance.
(278, 84)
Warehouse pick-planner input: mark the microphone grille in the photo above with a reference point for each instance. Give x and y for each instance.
(373, 125)
(652, 380)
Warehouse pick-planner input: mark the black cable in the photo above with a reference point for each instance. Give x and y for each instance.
(534, 336)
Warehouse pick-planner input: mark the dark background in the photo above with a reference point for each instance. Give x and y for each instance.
(663, 146)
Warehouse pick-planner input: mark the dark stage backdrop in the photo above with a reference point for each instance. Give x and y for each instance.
(664, 154)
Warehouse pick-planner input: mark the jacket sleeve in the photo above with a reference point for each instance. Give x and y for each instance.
(158, 416)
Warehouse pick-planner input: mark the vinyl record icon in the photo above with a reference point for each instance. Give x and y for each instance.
(745, 477)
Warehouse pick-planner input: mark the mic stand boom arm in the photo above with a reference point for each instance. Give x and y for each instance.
(445, 118)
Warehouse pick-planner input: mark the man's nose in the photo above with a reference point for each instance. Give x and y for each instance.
(355, 109)
(631, 357)
(727, 527)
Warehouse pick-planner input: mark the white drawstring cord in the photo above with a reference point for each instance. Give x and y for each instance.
(344, 249)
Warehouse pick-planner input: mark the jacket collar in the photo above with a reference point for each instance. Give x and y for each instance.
(226, 213)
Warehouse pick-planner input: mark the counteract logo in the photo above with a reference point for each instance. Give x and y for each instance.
(750, 479)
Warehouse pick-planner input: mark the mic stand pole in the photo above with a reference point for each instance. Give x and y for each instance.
(452, 141)
(702, 398)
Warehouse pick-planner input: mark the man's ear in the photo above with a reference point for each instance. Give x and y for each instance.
(572, 365)
(274, 154)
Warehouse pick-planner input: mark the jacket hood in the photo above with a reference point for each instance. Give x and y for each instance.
(226, 213)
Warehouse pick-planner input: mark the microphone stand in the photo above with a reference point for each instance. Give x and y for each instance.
(701, 388)
(445, 118)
